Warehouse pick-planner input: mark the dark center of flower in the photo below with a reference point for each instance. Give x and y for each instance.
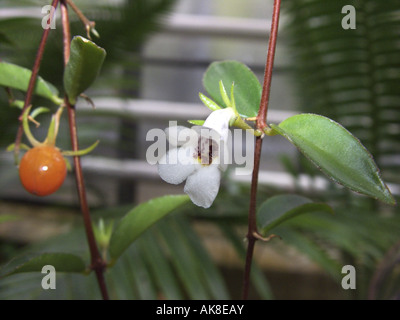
(206, 151)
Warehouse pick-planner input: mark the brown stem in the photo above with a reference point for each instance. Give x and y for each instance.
(262, 112)
(97, 263)
(10, 95)
(261, 124)
(252, 222)
(32, 81)
(88, 24)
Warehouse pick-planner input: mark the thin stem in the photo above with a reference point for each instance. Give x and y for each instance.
(32, 81)
(261, 124)
(97, 263)
(89, 25)
(10, 95)
(262, 112)
(252, 222)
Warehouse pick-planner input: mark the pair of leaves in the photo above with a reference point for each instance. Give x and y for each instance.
(332, 148)
(83, 67)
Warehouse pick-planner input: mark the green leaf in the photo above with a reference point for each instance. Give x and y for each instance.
(17, 104)
(139, 219)
(38, 111)
(81, 152)
(22, 146)
(209, 103)
(17, 77)
(197, 122)
(83, 66)
(62, 262)
(247, 87)
(224, 95)
(280, 208)
(335, 151)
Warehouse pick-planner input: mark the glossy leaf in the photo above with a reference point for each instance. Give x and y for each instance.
(247, 87)
(62, 262)
(140, 219)
(338, 154)
(278, 209)
(17, 77)
(83, 66)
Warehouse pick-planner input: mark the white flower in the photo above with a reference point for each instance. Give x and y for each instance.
(199, 157)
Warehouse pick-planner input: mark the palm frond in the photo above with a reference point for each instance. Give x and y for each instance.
(351, 75)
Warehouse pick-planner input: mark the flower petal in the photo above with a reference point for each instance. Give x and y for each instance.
(203, 185)
(179, 135)
(177, 164)
(219, 121)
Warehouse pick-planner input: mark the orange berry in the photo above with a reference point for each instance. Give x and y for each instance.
(42, 170)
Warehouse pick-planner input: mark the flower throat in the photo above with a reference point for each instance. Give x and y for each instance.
(206, 151)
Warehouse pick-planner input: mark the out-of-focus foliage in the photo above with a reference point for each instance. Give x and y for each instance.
(156, 266)
(123, 27)
(352, 77)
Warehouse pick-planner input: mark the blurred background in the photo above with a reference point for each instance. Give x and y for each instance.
(157, 53)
